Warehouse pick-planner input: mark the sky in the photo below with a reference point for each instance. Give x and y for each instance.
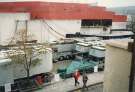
(107, 3)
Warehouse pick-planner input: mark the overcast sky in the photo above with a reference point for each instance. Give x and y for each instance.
(107, 3)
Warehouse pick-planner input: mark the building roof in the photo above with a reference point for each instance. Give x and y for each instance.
(60, 11)
(119, 43)
(84, 44)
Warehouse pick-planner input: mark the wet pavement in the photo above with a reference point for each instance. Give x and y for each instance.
(67, 85)
(94, 88)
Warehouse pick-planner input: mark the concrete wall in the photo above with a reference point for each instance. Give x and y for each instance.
(45, 65)
(8, 23)
(14, 71)
(117, 67)
(41, 31)
(122, 32)
(6, 74)
(94, 30)
(38, 30)
(119, 25)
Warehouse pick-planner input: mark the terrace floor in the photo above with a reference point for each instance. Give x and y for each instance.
(67, 85)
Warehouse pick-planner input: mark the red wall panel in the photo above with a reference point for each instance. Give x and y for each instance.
(48, 10)
(119, 18)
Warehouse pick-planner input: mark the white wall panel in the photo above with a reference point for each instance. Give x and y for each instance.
(94, 31)
(119, 25)
(45, 65)
(50, 30)
(37, 29)
(6, 74)
(7, 28)
(15, 16)
(65, 26)
(8, 25)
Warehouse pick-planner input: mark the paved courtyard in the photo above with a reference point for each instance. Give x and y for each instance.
(95, 88)
(68, 84)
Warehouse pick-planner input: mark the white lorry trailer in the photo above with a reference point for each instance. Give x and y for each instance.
(91, 51)
(63, 50)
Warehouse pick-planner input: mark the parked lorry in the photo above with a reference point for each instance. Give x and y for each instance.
(63, 50)
(89, 56)
(97, 54)
(71, 49)
(83, 48)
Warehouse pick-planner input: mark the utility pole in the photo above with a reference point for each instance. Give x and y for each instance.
(26, 31)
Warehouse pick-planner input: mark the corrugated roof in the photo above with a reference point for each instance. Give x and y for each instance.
(53, 10)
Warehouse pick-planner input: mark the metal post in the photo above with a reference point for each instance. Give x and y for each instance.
(26, 31)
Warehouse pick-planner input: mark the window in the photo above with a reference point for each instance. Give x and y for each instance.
(88, 23)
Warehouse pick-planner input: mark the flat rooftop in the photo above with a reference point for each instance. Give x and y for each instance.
(120, 43)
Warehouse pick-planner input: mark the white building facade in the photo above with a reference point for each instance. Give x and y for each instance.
(48, 22)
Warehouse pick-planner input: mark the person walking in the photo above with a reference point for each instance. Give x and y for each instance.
(76, 77)
(84, 79)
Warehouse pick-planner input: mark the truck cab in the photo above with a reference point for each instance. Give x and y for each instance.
(97, 54)
(82, 50)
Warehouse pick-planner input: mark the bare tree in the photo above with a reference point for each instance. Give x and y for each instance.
(27, 54)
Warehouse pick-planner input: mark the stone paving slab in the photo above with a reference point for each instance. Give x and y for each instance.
(68, 84)
(93, 88)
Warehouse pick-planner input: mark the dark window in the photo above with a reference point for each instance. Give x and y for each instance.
(2, 89)
(87, 23)
(107, 22)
